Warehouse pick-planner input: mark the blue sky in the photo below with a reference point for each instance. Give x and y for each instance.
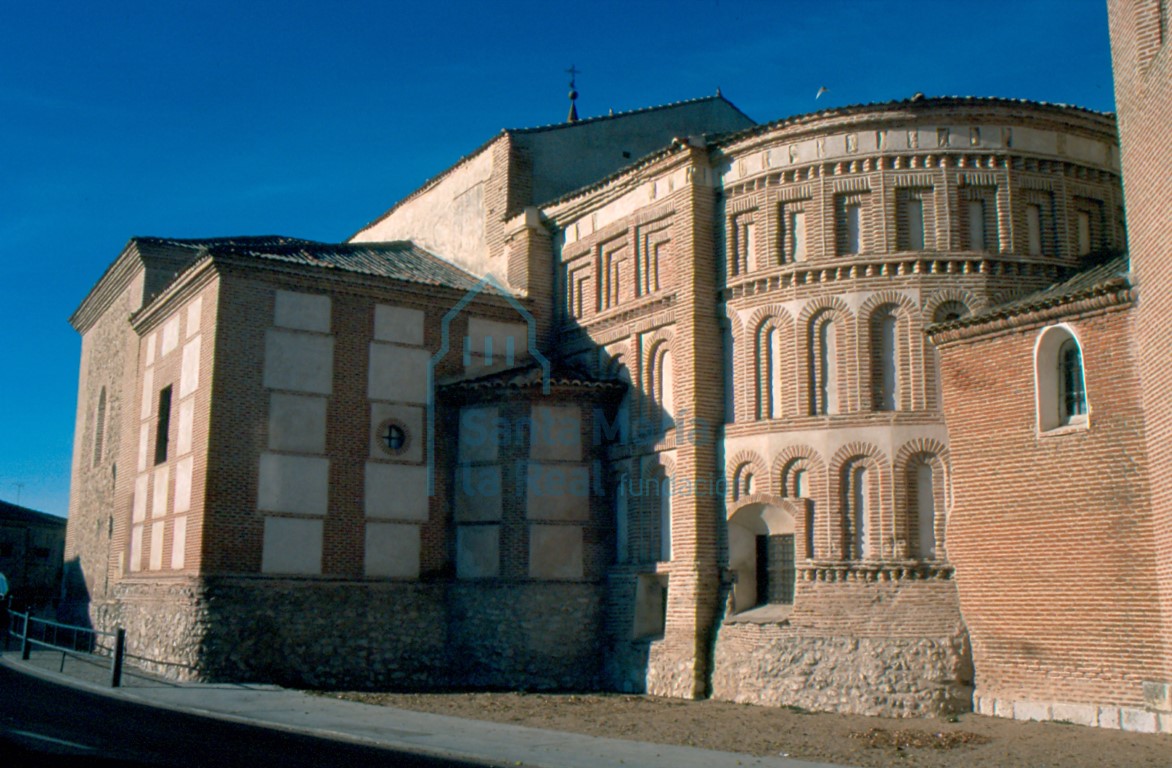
(304, 118)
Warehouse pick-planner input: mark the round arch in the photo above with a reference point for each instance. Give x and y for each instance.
(761, 555)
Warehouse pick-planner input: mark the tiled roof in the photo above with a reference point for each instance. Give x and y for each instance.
(399, 260)
(196, 243)
(531, 375)
(1105, 277)
(13, 513)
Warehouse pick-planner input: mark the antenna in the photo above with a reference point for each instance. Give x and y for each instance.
(19, 488)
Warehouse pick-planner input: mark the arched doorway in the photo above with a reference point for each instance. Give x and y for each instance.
(761, 554)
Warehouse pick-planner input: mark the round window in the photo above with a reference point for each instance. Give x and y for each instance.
(393, 437)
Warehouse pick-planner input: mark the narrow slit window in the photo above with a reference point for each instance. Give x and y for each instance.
(925, 511)
(856, 511)
(976, 211)
(884, 361)
(811, 523)
(100, 427)
(797, 227)
(823, 373)
(853, 223)
(769, 375)
(915, 224)
(1084, 233)
(163, 425)
(1034, 228)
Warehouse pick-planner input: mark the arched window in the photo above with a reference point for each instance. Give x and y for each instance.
(922, 507)
(652, 497)
(1072, 396)
(1059, 379)
(823, 366)
(617, 371)
(665, 396)
(662, 380)
(946, 312)
(801, 491)
(768, 373)
(854, 493)
(884, 356)
(795, 487)
(743, 482)
(799, 484)
(100, 427)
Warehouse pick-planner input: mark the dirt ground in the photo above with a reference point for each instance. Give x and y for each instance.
(851, 740)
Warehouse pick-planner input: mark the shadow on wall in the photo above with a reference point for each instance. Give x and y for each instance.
(73, 605)
(639, 443)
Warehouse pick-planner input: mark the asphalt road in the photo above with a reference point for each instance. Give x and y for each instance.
(43, 724)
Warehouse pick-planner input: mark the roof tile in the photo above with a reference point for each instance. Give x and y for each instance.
(398, 260)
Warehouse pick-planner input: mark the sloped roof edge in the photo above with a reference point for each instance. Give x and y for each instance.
(436, 179)
(1108, 276)
(916, 102)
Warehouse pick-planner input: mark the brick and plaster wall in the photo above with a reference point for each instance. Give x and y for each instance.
(999, 194)
(170, 449)
(634, 264)
(106, 431)
(301, 544)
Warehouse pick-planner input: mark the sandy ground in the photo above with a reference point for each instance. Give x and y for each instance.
(971, 740)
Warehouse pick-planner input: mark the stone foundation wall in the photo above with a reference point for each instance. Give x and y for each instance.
(362, 634)
(325, 634)
(526, 635)
(164, 623)
(868, 641)
(779, 666)
(674, 671)
(625, 666)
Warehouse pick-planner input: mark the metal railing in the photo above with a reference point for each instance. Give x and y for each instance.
(70, 639)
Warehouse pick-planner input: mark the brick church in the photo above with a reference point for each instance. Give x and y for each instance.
(860, 410)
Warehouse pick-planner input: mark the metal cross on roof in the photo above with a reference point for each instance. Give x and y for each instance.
(573, 72)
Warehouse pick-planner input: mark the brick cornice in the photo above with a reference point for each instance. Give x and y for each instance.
(113, 282)
(177, 293)
(1114, 296)
(573, 206)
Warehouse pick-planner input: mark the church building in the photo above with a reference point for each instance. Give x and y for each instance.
(842, 411)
